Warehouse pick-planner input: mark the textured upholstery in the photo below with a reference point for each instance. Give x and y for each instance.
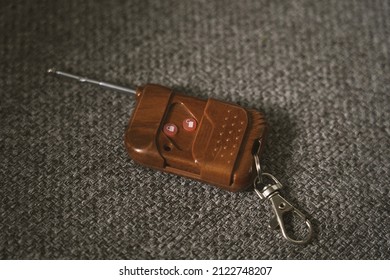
(319, 70)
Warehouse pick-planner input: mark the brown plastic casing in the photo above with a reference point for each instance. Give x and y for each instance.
(219, 151)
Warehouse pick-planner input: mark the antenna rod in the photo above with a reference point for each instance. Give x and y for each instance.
(53, 71)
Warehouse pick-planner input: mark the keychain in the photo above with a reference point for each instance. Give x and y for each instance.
(212, 141)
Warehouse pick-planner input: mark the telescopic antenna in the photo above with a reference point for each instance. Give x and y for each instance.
(53, 71)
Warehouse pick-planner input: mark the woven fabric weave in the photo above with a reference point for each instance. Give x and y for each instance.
(319, 70)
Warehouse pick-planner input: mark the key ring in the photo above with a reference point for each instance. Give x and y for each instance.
(280, 205)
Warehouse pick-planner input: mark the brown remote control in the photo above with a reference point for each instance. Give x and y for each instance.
(207, 140)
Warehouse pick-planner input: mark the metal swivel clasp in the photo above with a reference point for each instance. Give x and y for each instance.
(281, 207)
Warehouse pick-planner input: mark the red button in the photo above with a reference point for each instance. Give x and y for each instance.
(189, 124)
(170, 129)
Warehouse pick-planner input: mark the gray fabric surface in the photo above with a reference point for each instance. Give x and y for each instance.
(319, 70)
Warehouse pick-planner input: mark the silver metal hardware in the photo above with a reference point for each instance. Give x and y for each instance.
(280, 205)
(259, 178)
(91, 81)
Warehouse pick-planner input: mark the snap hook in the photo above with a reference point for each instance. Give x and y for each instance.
(280, 207)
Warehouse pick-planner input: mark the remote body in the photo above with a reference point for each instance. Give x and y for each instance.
(207, 140)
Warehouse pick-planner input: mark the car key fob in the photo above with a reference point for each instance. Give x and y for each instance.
(206, 140)
(212, 141)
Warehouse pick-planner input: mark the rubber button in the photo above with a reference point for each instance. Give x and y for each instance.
(189, 124)
(170, 129)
